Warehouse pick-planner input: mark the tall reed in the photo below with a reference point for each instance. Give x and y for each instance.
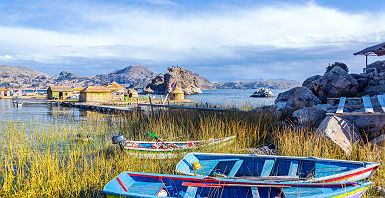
(51, 160)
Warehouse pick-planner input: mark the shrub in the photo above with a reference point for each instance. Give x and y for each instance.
(342, 65)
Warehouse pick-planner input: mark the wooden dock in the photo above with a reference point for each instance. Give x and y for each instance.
(100, 108)
(367, 106)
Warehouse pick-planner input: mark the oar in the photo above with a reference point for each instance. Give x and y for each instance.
(155, 136)
(158, 138)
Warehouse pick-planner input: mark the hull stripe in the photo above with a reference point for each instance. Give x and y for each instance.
(347, 176)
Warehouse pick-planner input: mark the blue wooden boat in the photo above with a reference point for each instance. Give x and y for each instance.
(145, 185)
(276, 168)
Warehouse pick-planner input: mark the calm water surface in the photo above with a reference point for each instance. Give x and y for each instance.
(42, 113)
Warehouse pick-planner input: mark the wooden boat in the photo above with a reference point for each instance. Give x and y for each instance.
(146, 185)
(163, 150)
(277, 168)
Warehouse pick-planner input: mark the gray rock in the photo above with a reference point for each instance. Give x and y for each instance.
(337, 82)
(372, 126)
(297, 97)
(263, 92)
(263, 150)
(309, 81)
(340, 131)
(186, 81)
(311, 115)
(378, 141)
(375, 90)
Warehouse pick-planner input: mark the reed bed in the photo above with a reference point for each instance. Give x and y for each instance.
(59, 158)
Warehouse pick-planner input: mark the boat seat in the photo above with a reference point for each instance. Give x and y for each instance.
(293, 168)
(191, 192)
(207, 166)
(235, 168)
(255, 193)
(267, 167)
(145, 188)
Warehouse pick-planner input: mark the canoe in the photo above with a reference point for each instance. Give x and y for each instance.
(146, 185)
(275, 168)
(164, 150)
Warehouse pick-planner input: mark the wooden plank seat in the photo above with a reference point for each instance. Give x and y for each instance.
(235, 168)
(267, 167)
(293, 168)
(381, 100)
(191, 192)
(207, 166)
(367, 104)
(341, 105)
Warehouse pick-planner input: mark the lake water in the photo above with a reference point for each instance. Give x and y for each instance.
(43, 113)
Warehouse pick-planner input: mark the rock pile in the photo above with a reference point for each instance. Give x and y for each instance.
(161, 84)
(264, 93)
(309, 103)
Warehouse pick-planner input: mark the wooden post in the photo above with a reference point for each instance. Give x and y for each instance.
(152, 110)
(197, 110)
(137, 101)
(207, 105)
(366, 55)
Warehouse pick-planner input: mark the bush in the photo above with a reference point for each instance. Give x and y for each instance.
(342, 65)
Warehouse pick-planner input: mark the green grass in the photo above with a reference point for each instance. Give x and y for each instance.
(48, 160)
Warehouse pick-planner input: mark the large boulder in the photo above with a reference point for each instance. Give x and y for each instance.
(309, 81)
(161, 84)
(371, 126)
(340, 131)
(297, 97)
(311, 115)
(337, 82)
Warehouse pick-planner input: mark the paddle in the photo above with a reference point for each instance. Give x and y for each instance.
(158, 139)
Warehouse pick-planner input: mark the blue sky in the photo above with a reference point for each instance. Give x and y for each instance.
(222, 40)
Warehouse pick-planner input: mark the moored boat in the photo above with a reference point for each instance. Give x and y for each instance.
(163, 150)
(133, 184)
(275, 168)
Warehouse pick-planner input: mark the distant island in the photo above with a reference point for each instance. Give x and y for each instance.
(130, 77)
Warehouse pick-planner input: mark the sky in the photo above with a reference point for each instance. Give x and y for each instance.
(223, 40)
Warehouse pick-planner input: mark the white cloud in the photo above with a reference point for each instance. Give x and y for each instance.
(161, 37)
(6, 57)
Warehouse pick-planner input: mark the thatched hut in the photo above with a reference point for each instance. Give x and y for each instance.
(132, 93)
(177, 94)
(95, 94)
(116, 88)
(5, 92)
(59, 92)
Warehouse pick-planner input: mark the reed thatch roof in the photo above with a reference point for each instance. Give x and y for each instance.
(60, 88)
(95, 89)
(114, 86)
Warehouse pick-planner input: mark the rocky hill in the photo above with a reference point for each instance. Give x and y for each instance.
(270, 84)
(186, 80)
(26, 78)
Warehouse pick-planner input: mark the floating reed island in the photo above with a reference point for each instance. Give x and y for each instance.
(48, 160)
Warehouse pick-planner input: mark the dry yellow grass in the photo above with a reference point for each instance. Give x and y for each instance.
(46, 160)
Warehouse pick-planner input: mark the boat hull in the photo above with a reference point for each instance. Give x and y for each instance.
(280, 168)
(133, 184)
(145, 150)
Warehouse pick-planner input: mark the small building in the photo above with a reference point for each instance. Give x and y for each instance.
(177, 94)
(95, 94)
(375, 50)
(5, 92)
(117, 91)
(59, 92)
(132, 93)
